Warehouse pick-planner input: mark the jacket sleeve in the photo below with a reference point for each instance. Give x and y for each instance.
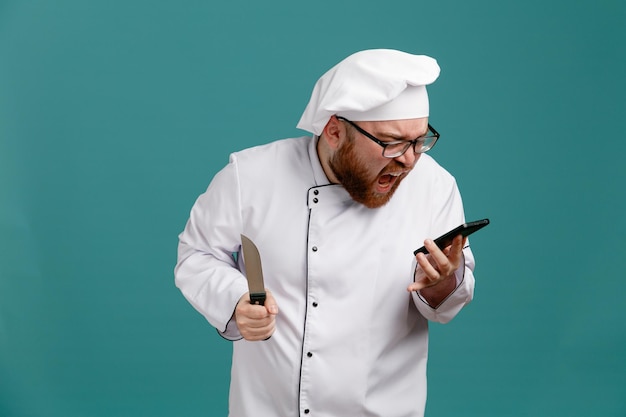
(450, 215)
(207, 272)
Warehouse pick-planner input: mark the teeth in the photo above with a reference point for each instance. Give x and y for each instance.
(395, 174)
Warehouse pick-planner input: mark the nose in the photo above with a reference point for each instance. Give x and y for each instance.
(409, 158)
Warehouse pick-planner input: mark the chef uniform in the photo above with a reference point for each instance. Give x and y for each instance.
(349, 339)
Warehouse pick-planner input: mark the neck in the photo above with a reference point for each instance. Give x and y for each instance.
(324, 153)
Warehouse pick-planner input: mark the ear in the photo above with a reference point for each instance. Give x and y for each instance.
(334, 132)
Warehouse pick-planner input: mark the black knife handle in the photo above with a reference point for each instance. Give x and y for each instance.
(257, 298)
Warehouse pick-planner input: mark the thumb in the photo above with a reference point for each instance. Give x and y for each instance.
(270, 303)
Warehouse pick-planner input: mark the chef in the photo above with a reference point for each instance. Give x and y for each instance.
(336, 217)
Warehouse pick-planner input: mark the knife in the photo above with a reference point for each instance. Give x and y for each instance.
(254, 272)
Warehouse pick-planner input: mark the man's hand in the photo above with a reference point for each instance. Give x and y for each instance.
(435, 275)
(256, 322)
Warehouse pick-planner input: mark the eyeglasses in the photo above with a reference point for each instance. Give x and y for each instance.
(397, 148)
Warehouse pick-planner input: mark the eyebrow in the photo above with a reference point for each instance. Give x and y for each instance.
(395, 137)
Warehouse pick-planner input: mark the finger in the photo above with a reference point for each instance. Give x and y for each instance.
(457, 246)
(439, 258)
(427, 267)
(260, 326)
(425, 276)
(270, 303)
(246, 310)
(256, 323)
(416, 286)
(256, 334)
(253, 329)
(456, 251)
(258, 314)
(257, 328)
(452, 255)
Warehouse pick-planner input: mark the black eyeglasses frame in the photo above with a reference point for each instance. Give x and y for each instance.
(409, 144)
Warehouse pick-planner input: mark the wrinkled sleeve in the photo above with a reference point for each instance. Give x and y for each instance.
(449, 216)
(206, 272)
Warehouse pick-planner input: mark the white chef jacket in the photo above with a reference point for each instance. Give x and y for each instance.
(349, 339)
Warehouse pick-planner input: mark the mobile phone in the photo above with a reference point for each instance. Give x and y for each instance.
(465, 229)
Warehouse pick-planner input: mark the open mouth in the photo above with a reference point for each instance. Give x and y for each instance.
(386, 181)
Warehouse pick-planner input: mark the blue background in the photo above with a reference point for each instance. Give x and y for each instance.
(115, 115)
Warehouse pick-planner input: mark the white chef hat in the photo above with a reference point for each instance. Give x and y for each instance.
(371, 85)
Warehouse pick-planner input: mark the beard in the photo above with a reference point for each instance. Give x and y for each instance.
(352, 173)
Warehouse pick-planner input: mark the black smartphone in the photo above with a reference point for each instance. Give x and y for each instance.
(465, 229)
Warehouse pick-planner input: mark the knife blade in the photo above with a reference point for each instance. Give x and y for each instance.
(254, 271)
